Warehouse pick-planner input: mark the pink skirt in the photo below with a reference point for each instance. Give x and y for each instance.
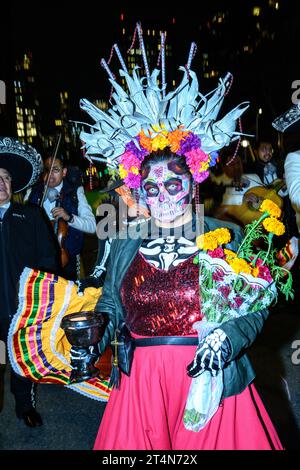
(146, 413)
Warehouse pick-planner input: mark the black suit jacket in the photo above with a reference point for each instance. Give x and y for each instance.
(25, 240)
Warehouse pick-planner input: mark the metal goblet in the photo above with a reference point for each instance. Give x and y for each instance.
(83, 330)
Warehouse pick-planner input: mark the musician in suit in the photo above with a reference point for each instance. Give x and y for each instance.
(65, 199)
(25, 241)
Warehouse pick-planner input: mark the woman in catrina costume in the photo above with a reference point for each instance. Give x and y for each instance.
(162, 146)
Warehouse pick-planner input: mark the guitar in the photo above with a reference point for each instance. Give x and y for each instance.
(248, 211)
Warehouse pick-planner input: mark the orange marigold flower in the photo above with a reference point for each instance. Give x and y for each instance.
(223, 235)
(270, 207)
(239, 265)
(272, 225)
(175, 138)
(255, 272)
(145, 141)
(229, 254)
(207, 241)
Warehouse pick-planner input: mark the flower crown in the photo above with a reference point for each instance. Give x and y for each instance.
(144, 118)
(183, 143)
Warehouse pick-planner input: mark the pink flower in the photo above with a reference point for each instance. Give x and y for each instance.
(264, 273)
(225, 290)
(238, 301)
(217, 253)
(218, 276)
(129, 160)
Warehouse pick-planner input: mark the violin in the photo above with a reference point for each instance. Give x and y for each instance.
(60, 226)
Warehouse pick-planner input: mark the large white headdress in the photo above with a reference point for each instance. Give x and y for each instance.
(146, 118)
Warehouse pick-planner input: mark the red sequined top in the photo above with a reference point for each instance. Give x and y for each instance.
(161, 303)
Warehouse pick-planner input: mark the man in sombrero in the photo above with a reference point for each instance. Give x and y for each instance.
(25, 240)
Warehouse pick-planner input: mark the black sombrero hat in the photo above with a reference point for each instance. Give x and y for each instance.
(288, 121)
(112, 185)
(22, 161)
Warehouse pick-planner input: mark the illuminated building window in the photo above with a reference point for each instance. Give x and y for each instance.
(20, 133)
(58, 122)
(153, 32)
(256, 11)
(66, 94)
(123, 31)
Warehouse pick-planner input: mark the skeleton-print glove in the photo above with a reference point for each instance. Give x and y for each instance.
(212, 354)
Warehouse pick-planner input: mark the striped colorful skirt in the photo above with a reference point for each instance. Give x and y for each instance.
(38, 348)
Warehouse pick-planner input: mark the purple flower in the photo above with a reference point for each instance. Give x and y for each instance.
(190, 142)
(132, 180)
(200, 177)
(140, 154)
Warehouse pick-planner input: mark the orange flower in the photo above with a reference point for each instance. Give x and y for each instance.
(271, 224)
(239, 265)
(270, 207)
(145, 141)
(175, 138)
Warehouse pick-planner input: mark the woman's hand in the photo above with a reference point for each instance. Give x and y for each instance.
(212, 354)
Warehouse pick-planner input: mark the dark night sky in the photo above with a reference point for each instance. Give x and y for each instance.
(68, 42)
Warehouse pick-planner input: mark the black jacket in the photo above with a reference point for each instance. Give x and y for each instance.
(241, 331)
(25, 240)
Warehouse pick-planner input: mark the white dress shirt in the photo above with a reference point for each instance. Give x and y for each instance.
(84, 221)
(292, 176)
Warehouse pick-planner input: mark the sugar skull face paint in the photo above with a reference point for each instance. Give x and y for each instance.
(167, 193)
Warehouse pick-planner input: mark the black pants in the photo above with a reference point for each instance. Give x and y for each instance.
(23, 389)
(70, 270)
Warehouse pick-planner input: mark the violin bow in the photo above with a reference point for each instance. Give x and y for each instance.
(51, 168)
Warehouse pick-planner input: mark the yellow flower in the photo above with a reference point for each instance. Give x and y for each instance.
(134, 170)
(230, 254)
(159, 128)
(240, 265)
(255, 272)
(159, 142)
(274, 226)
(223, 235)
(123, 173)
(207, 241)
(211, 240)
(270, 207)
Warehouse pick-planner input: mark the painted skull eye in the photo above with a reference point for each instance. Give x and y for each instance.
(173, 186)
(151, 190)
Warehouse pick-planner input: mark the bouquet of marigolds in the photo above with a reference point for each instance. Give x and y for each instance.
(234, 283)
